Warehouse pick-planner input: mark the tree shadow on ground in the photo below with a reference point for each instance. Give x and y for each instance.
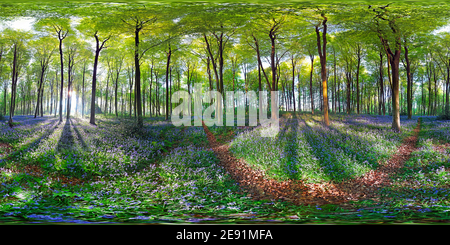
(291, 152)
(36, 142)
(69, 137)
(66, 141)
(360, 156)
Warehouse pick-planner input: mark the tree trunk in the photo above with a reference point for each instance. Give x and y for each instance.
(334, 90)
(395, 61)
(94, 76)
(274, 68)
(447, 86)
(357, 78)
(169, 53)
(51, 97)
(42, 98)
(13, 87)
(436, 98)
(107, 90)
(56, 95)
(83, 91)
(137, 77)
(409, 83)
(94, 84)
(131, 89)
(349, 78)
(41, 80)
(116, 88)
(429, 90)
(151, 82)
(69, 86)
(61, 58)
(293, 80)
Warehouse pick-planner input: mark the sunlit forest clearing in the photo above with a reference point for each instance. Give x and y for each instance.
(88, 91)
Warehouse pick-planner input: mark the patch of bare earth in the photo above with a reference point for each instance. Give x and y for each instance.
(261, 187)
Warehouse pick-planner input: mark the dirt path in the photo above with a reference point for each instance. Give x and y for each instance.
(259, 187)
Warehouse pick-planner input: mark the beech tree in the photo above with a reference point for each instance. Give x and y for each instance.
(322, 48)
(100, 28)
(388, 22)
(138, 20)
(59, 27)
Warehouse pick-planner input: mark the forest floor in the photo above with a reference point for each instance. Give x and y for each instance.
(356, 171)
(259, 187)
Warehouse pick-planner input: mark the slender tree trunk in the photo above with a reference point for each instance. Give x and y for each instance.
(51, 97)
(62, 77)
(137, 77)
(116, 88)
(299, 94)
(131, 89)
(42, 98)
(4, 97)
(310, 83)
(334, 87)
(357, 78)
(56, 95)
(69, 86)
(447, 86)
(83, 96)
(41, 80)
(322, 48)
(170, 90)
(436, 98)
(272, 36)
(94, 76)
(395, 61)
(13, 87)
(409, 83)
(94, 84)
(429, 91)
(151, 82)
(293, 81)
(106, 91)
(349, 78)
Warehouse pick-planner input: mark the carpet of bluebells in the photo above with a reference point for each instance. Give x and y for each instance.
(116, 172)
